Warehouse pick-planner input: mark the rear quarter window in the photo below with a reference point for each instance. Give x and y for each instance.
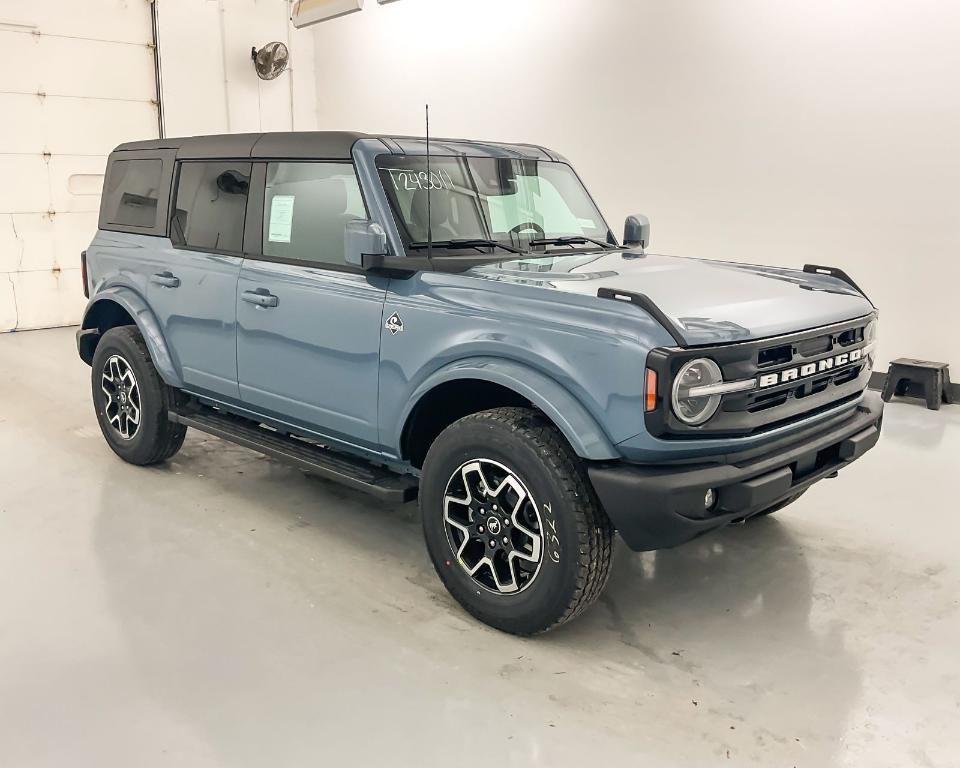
(132, 192)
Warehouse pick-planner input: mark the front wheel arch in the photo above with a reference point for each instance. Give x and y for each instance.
(519, 385)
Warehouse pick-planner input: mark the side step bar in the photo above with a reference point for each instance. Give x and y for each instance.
(333, 465)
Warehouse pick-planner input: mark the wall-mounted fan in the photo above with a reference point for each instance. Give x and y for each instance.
(270, 60)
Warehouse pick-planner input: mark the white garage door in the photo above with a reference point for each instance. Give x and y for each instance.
(77, 79)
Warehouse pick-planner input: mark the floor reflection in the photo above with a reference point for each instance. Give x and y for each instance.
(914, 429)
(733, 619)
(728, 628)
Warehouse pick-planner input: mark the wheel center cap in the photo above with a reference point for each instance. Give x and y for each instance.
(123, 396)
(493, 525)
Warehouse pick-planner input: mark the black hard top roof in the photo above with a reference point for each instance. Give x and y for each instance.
(323, 145)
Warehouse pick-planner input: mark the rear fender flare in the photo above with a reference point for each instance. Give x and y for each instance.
(146, 322)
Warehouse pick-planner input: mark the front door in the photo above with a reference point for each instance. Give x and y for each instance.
(192, 285)
(308, 326)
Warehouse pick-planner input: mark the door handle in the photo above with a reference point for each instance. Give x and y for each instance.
(166, 279)
(260, 297)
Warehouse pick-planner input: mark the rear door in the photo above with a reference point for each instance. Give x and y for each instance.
(192, 288)
(308, 325)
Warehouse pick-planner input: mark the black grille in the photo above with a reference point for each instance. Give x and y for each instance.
(763, 409)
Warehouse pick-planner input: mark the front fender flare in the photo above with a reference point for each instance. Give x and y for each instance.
(147, 323)
(581, 430)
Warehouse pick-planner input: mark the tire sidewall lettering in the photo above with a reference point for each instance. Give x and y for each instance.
(551, 540)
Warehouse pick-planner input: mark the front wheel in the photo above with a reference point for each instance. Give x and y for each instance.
(511, 522)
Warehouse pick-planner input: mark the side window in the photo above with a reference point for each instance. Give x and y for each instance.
(306, 209)
(132, 191)
(210, 204)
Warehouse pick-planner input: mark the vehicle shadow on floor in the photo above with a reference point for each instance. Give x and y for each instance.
(724, 623)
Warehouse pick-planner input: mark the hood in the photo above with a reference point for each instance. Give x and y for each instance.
(710, 302)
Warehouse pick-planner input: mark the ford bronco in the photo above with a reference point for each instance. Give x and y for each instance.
(455, 321)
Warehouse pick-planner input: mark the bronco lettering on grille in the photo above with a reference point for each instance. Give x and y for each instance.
(811, 369)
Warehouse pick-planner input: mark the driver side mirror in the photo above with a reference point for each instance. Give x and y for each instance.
(636, 231)
(365, 244)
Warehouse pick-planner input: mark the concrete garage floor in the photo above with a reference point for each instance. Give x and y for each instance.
(225, 610)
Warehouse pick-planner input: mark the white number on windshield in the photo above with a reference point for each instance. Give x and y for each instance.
(412, 181)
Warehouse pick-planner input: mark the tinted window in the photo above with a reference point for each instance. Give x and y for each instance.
(306, 210)
(133, 188)
(210, 205)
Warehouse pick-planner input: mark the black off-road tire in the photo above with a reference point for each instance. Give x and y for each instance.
(778, 506)
(157, 438)
(577, 535)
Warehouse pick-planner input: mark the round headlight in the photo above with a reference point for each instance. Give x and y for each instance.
(696, 373)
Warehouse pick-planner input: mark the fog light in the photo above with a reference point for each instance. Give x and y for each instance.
(709, 498)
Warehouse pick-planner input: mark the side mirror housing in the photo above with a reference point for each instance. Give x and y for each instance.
(365, 244)
(636, 231)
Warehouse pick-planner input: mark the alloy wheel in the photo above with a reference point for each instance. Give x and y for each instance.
(122, 407)
(493, 526)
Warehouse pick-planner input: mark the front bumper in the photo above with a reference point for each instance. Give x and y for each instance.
(662, 505)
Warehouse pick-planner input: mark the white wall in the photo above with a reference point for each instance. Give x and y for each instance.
(80, 79)
(76, 80)
(208, 81)
(786, 132)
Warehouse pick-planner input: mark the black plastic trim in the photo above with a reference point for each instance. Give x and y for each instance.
(819, 269)
(83, 274)
(347, 470)
(657, 506)
(649, 306)
(740, 361)
(253, 216)
(87, 340)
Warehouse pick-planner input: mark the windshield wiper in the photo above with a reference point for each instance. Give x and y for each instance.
(464, 242)
(570, 240)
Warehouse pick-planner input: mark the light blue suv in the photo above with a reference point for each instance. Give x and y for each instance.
(457, 321)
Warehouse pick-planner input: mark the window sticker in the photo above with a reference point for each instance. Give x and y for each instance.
(281, 218)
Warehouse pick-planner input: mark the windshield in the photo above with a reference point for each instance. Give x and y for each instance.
(514, 203)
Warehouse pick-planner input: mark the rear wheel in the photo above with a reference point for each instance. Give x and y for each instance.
(132, 401)
(512, 524)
